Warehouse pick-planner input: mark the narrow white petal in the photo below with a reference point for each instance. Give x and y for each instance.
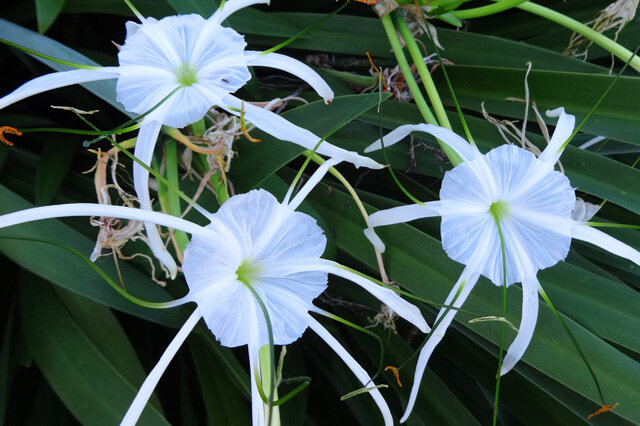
(564, 128)
(374, 239)
(56, 80)
(232, 6)
(353, 365)
(464, 149)
(465, 284)
(150, 383)
(145, 144)
(293, 66)
(402, 214)
(315, 178)
(280, 128)
(257, 406)
(387, 296)
(604, 241)
(85, 209)
(527, 323)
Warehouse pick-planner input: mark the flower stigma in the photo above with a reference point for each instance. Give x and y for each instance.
(499, 209)
(248, 272)
(186, 74)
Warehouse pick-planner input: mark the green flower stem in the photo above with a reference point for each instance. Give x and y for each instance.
(478, 12)
(599, 39)
(173, 198)
(423, 71)
(413, 86)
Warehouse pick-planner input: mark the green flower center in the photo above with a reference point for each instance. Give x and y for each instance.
(187, 74)
(499, 210)
(248, 272)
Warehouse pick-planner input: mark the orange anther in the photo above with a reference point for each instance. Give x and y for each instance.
(603, 409)
(395, 372)
(369, 2)
(386, 88)
(10, 130)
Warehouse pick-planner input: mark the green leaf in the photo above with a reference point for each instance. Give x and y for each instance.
(106, 90)
(223, 403)
(90, 381)
(55, 162)
(47, 11)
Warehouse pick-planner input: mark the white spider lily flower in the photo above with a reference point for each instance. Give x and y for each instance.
(507, 189)
(202, 63)
(253, 242)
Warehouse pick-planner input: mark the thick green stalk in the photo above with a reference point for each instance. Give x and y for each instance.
(267, 378)
(413, 86)
(599, 39)
(423, 71)
(173, 199)
(491, 9)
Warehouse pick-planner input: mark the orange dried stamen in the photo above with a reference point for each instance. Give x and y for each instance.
(10, 130)
(244, 128)
(395, 372)
(603, 409)
(369, 2)
(384, 83)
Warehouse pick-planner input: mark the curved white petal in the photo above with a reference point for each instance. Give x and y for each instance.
(357, 370)
(387, 296)
(150, 383)
(374, 239)
(292, 66)
(464, 149)
(145, 144)
(402, 214)
(463, 287)
(604, 241)
(55, 80)
(564, 128)
(232, 6)
(315, 178)
(527, 324)
(83, 209)
(280, 128)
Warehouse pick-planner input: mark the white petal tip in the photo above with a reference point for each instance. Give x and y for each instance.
(375, 240)
(506, 368)
(423, 326)
(404, 418)
(373, 147)
(555, 112)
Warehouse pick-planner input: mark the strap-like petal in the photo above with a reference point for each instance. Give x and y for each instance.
(387, 296)
(357, 370)
(293, 66)
(606, 242)
(564, 128)
(463, 287)
(464, 149)
(56, 80)
(103, 210)
(232, 6)
(280, 128)
(527, 323)
(144, 152)
(150, 383)
(315, 178)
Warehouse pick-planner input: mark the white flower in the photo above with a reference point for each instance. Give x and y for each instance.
(256, 242)
(203, 62)
(508, 189)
